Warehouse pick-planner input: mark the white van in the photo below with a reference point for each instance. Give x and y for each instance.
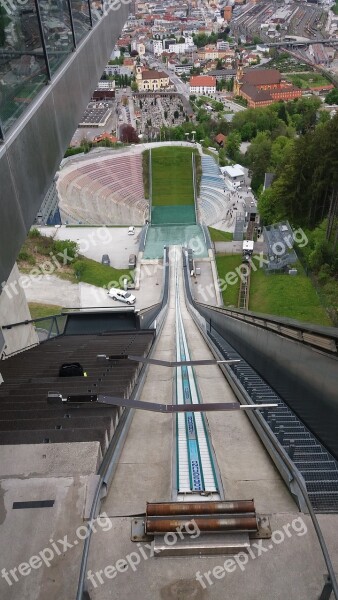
(122, 296)
(131, 230)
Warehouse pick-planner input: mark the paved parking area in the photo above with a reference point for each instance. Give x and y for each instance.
(95, 241)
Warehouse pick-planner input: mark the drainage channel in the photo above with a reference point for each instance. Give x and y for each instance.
(317, 466)
(195, 462)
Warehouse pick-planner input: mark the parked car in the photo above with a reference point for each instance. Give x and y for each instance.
(105, 260)
(131, 230)
(122, 296)
(132, 261)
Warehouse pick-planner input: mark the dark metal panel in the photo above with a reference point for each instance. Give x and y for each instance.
(69, 98)
(12, 227)
(307, 380)
(33, 156)
(2, 342)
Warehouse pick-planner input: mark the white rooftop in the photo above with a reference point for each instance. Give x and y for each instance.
(248, 245)
(235, 171)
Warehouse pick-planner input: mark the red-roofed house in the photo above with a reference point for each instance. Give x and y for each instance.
(221, 139)
(105, 136)
(202, 84)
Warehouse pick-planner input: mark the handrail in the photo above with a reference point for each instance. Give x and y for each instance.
(321, 337)
(32, 321)
(192, 304)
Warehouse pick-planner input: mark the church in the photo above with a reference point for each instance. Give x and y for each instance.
(261, 87)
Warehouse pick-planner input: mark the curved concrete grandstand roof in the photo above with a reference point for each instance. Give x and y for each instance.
(103, 189)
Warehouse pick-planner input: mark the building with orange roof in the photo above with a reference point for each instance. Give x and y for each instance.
(105, 136)
(202, 84)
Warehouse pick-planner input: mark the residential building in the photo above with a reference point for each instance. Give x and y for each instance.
(111, 70)
(202, 84)
(179, 48)
(225, 74)
(180, 69)
(157, 47)
(222, 45)
(151, 81)
(106, 84)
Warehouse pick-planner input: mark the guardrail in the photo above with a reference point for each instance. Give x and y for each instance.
(323, 338)
(45, 327)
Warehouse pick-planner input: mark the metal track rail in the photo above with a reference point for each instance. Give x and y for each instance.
(243, 297)
(195, 465)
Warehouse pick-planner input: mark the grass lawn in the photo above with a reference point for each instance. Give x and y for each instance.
(226, 264)
(220, 236)
(37, 249)
(305, 80)
(286, 296)
(90, 271)
(43, 310)
(172, 179)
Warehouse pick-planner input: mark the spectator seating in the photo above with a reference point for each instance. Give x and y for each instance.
(213, 202)
(103, 191)
(25, 415)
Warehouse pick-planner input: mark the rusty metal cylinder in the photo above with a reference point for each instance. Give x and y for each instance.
(199, 508)
(215, 525)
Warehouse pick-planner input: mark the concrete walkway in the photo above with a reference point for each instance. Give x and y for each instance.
(50, 289)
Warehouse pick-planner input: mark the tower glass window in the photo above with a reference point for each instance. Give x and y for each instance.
(36, 37)
(23, 68)
(81, 18)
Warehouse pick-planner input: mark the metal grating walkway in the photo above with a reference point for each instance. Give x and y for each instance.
(318, 467)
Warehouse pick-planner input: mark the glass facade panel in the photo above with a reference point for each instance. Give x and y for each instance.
(23, 69)
(81, 18)
(57, 31)
(97, 8)
(36, 37)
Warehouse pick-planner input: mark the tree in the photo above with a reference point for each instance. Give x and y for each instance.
(282, 114)
(259, 155)
(331, 98)
(230, 84)
(220, 84)
(233, 144)
(134, 88)
(128, 134)
(280, 149)
(248, 131)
